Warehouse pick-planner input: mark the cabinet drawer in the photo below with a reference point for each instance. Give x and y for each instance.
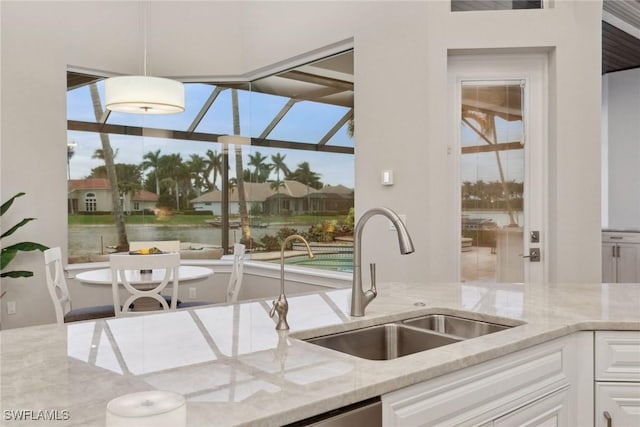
(621, 401)
(481, 394)
(620, 237)
(617, 356)
(550, 411)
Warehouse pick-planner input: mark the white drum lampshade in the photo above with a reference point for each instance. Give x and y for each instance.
(144, 95)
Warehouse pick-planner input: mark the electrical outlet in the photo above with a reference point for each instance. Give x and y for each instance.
(192, 293)
(11, 307)
(403, 217)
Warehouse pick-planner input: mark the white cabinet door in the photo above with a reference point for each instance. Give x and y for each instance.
(620, 257)
(628, 263)
(621, 401)
(617, 356)
(609, 262)
(550, 411)
(481, 394)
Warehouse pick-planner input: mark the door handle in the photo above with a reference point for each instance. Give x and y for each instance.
(534, 255)
(607, 416)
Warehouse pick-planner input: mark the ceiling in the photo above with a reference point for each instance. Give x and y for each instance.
(330, 80)
(620, 35)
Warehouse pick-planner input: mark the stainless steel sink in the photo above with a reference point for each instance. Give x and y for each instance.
(397, 339)
(383, 342)
(453, 325)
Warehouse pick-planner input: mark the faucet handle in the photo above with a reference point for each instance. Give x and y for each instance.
(372, 271)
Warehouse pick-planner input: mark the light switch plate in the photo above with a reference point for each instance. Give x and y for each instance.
(387, 177)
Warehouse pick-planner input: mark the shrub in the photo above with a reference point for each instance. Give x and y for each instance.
(270, 243)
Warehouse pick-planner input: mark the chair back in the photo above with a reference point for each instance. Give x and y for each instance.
(163, 245)
(126, 271)
(235, 281)
(56, 283)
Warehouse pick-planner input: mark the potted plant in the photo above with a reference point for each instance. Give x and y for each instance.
(9, 253)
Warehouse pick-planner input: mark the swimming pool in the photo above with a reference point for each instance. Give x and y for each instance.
(334, 262)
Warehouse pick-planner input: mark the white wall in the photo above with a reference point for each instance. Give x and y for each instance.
(400, 62)
(622, 137)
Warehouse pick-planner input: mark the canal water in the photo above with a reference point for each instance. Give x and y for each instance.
(96, 239)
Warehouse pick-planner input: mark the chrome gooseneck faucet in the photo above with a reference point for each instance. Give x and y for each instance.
(359, 298)
(280, 305)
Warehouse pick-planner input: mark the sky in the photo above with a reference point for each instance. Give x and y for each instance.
(306, 122)
(484, 166)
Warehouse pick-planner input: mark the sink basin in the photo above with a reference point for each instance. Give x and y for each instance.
(384, 342)
(457, 326)
(397, 339)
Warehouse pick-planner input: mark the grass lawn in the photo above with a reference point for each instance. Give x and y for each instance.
(183, 219)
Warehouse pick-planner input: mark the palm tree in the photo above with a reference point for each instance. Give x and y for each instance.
(197, 166)
(275, 185)
(99, 153)
(71, 151)
(306, 176)
(214, 166)
(261, 169)
(152, 160)
(170, 166)
(242, 202)
(279, 165)
(107, 155)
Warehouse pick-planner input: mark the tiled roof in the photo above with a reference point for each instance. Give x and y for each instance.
(257, 192)
(144, 196)
(89, 184)
(336, 189)
(103, 184)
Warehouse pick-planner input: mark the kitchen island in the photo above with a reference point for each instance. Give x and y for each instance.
(234, 368)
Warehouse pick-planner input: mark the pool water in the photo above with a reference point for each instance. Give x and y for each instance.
(334, 262)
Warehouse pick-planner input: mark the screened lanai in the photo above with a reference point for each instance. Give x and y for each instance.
(303, 115)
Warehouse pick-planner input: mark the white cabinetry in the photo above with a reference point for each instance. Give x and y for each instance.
(549, 384)
(617, 375)
(620, 257)
(550, 411)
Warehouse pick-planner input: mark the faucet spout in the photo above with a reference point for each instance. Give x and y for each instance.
(359, 298)
(280, 305)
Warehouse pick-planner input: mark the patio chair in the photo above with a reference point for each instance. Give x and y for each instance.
(60, 296)
(130, 272)
(235, 280)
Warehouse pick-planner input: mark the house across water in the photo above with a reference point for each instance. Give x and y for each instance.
(292, 197)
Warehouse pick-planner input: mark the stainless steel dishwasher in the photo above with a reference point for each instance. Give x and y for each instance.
(367, 413)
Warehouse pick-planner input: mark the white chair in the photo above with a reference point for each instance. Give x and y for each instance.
(126, 271)
(60, 296)
(163, 245)
(235, 280)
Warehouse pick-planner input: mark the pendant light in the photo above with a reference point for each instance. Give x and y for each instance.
(144, 94)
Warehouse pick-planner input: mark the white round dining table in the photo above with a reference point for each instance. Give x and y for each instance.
(102, 276)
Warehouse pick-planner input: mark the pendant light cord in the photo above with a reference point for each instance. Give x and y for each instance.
(145, 18)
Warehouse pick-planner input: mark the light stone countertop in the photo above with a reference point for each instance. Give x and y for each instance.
(233, 368)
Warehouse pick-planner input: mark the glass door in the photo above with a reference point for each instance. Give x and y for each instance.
(499, 142)
(492, 177)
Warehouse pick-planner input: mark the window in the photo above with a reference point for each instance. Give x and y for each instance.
(90, 202)
(297, 174)
(468, 5)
